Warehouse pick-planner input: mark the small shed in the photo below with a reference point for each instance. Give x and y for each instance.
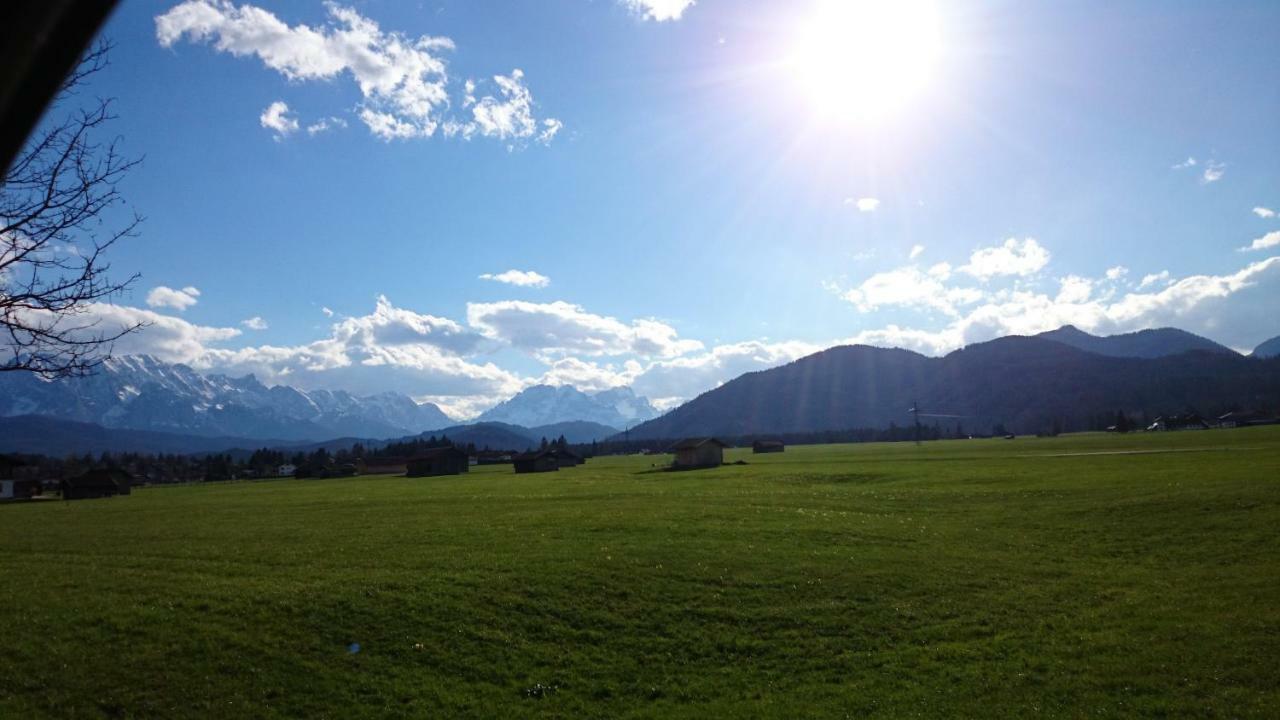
(103, 482)
(768, 446)
(701, 452)
(19, 489)
(567, 458)
(537, 461)
(439, 461)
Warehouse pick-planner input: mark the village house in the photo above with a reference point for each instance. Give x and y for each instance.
(103, 482)
(702, 452)
(536, 461)
(438, 461)
(286, 470)
(12, 485)
(768, 446)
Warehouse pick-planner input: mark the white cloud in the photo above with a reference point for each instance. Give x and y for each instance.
(563, 328)
(1014, 257)
(1264, 212)
(1188, 163)
(1270, 240)
(327, 312)
(1152, 279)
(675, 380)
(916, 250)
(255, 323)
(508, 117)
(589, 376)
(522, 278)
(1230, 308)
(909, 287)
(866, 204)
(162, 297)
(276, 118)
(325, 125)
(1074, 289)
(1116, 273)
(1213, 172)
(403, 80)
(658, 10)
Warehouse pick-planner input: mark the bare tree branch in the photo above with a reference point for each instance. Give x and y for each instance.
(53, 206)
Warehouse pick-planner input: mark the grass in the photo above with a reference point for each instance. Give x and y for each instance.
(982, 578)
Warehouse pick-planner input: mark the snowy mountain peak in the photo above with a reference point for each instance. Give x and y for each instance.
(549, 404)
(140, 392)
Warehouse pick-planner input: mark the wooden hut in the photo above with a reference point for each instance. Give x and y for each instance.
(567, 458)
(698, 453)
(537, 461)
(103, 482)
(768, 446)
(438, 461)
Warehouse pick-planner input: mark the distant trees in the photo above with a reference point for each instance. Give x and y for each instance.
(54, 231)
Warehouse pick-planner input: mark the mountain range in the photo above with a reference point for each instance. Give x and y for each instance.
(546, 404)
(1028, 384)
(139, 392)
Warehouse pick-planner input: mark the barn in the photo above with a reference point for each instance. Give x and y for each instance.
(385, 466)
(768, 446)
(438, 461)
(698, 453)
(537, 461)
(103, 482)
(19, 489)
(567, 458)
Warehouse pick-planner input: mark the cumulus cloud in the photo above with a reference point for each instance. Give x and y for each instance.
(1014, 257)
(255, 323)
(1213, 172)
(1117, 273)
(403, 80)
(1264, 212)
(166, 297)
(916, 250)
(658, 10)
(912, 288)
(1227, 307)
(277, 119)
(506, 117)
(865, 204)
(563, 328)
(521, 278)
(1270, 240)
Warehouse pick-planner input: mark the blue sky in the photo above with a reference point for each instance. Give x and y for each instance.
(674, 188)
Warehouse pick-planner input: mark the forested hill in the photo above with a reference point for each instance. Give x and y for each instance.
(1026, 384)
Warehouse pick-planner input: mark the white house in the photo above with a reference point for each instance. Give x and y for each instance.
(286, 470)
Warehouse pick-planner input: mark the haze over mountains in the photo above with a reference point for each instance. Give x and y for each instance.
(1027, 384)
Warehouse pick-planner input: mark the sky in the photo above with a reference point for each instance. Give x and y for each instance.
(458, 199)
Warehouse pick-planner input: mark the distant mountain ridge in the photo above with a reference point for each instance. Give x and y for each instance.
(548, 404)
(1029, 384)
(1154, 343)
(1268, 349)
(139, 392)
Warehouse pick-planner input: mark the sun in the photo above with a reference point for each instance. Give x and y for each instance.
(863, 61)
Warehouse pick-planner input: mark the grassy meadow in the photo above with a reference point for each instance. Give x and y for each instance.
(1089, 575)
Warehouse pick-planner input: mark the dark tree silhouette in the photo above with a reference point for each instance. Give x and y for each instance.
(54, 203)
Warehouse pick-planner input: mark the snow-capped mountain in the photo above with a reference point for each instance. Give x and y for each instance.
(547, 404)
(139, 392)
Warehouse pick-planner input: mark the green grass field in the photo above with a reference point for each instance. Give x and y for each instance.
(985, 578)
